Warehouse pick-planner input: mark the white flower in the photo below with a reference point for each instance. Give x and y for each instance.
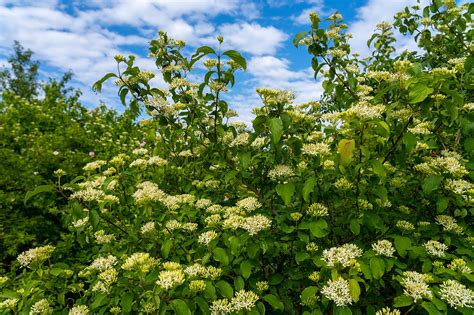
(456, 294)
(384, 248)
(170, 278)
(206, 237)
(435, 248)
(338, 291)
(344, 255)
(415, 285)
(244, 300)
(35, 255)
(79, 310)
(41, 307)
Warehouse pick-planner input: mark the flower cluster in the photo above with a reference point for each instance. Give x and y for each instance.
(416, 285)
(344, 255)
(384, 248)
(35, 255)
(338, 291)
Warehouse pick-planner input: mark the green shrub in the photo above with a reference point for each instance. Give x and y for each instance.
(360, 203)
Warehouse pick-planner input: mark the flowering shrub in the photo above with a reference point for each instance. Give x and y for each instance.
(358, 203)
(39, 135)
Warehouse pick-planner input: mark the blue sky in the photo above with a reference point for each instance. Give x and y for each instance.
(83, 36)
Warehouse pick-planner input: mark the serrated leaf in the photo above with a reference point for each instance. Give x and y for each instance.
(237, 57)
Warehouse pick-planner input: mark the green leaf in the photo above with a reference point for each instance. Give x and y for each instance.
(285, 191)
(319, 228)
(237, 57)
(298, 37)
(355, 227)
(99, 300)
(276, 128)
(246, 268)
(38, 190)
(308, 293)
(377, 267)
(220, 255)
(431, 183)
(442, 204)
(98, 85)
(274, 302)
(419, 93)
(180, 307)
(403, 300)
(94, 218)
(225, 289)
(166, 247)
(469, 145)
(205, 50)
(127, 301)
(378, 168)
(308, 187)
(430, 308)
(345, 148)
(354, 288)
(342, 310)
(402, 244)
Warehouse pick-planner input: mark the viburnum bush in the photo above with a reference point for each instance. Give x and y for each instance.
(359, 203)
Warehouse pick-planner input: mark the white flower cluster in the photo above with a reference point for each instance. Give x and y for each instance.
(242, 300)
(102, 238)
(384, 248)
(92, 166)
(148, 227)
(317, 210)
(80, 223)
(41, 308)
(456, 294)
(365, 111)
(387, 311)
(344, 255)
(416, 285)
(206, 237)
(274, 96)
(249, 204)
(148, 191)
(198, 270)
(241, 139)
(449, 224)
(35, 255)
(405, 225)
(460, 265)
(169, 279)
(141, 262)
(435, 248)
(314, 149)
(280, 172)
(338, 291)
(103, 263)
(10, 303)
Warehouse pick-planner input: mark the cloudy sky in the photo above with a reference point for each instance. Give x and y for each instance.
(83, 36)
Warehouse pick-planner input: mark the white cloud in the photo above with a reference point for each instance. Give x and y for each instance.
(316, 6)
(253, 38)
(367, 18)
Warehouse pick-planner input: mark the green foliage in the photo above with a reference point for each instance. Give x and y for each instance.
(360, 203)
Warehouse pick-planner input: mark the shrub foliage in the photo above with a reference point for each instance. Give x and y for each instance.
(359, 203)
